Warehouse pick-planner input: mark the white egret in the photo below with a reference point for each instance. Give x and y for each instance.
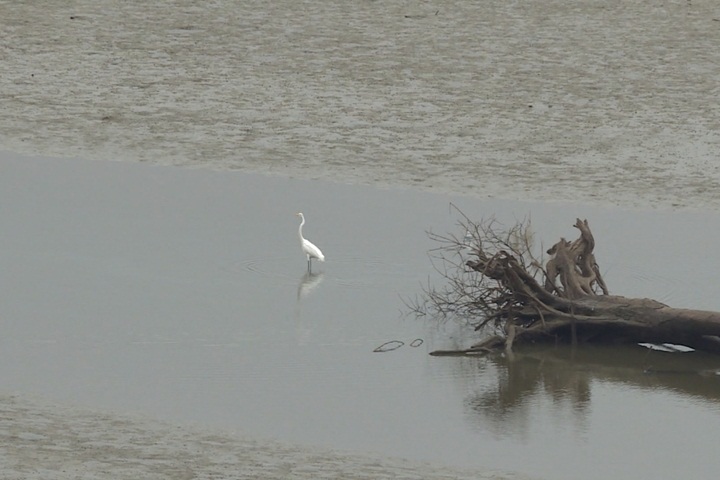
(307, 246)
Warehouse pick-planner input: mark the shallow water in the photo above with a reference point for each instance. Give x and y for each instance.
(183, 294)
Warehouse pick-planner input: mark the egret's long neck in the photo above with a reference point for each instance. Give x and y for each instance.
(300, 228)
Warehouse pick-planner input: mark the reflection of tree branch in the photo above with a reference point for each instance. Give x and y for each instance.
(524, 376)
(566, 375)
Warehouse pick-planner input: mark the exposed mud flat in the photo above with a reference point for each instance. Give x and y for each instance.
(44, 441)
(608, 103)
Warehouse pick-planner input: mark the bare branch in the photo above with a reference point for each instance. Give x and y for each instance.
(496, 280)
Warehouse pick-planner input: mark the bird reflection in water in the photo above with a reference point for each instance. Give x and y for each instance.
(304, 328)
(308, 283)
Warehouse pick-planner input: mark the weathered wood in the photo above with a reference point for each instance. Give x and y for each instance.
(570, 302)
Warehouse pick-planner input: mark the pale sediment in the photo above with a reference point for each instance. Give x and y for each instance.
(608, 103)
(43, 441)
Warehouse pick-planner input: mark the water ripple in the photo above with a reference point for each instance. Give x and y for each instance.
(347, 272)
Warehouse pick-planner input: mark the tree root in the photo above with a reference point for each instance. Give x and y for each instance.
(567, 300)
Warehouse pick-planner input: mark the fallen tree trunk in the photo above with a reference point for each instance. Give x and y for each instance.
(518, 301)
(614, 319)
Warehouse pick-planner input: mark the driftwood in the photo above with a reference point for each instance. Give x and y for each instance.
(512, 296)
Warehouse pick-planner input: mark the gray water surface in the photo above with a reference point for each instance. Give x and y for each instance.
(183, 294)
